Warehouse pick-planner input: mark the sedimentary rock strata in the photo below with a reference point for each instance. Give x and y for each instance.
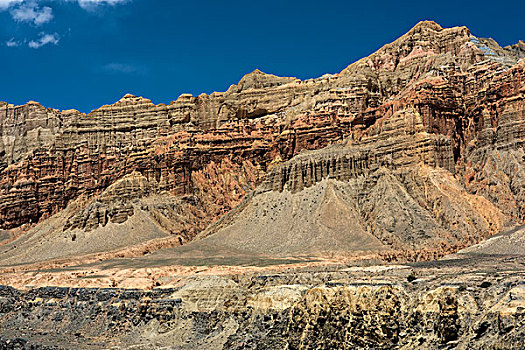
(462, 304)
(434, 100)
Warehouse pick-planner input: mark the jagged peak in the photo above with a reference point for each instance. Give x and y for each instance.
(508, 55)
(33, 103)
(255, 73)
(431, 28)
(425, 38)
(128, 96)
(38, 105)
(426, 24)
(71, 111)
(127, 99)
(520, 45)
(133, 98)
(257, 79)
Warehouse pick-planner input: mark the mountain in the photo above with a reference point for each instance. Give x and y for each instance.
(411, 153)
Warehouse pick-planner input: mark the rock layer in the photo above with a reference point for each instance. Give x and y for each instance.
(438, 98)
(461, 304)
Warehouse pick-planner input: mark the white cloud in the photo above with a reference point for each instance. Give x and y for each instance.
(120, 68)
(44, 39)
(4, 4)
(85, 4)
(12, 43)
(90, 4)
(32, 13)
(124, 68)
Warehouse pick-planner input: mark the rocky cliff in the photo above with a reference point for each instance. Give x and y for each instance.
(430, 127)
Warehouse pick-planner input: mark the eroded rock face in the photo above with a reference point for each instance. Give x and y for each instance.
(421, 213)
(438, 98)
(451, 304)
(129, 212)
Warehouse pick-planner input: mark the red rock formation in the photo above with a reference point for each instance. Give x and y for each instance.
(435, 96)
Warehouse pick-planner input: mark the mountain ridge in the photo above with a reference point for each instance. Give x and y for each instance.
(425, 24)
(436, 97)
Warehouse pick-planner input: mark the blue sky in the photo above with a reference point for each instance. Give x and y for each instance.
(85, 53)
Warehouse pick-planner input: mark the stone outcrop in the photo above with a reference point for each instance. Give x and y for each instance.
(461, 304)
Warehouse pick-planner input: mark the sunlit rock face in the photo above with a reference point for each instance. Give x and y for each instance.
(434, 121)
(448, 304)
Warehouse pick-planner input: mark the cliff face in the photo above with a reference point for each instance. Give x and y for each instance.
(386, 185)
(435, 98)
